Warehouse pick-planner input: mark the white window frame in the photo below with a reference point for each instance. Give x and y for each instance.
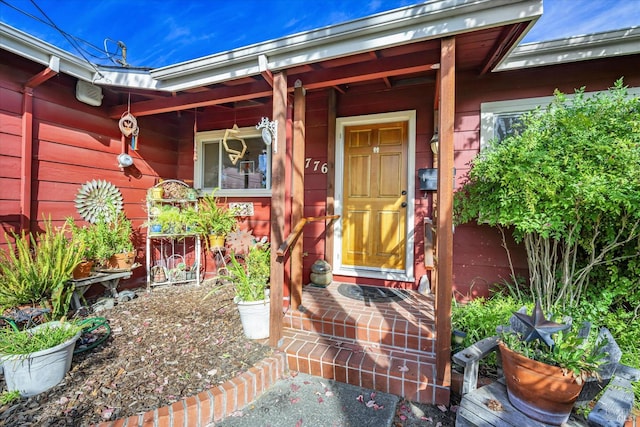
(489, 110)
(216, 136)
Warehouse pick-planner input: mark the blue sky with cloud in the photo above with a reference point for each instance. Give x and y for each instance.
(165, 32)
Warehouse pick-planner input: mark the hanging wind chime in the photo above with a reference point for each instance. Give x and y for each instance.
(129, 128)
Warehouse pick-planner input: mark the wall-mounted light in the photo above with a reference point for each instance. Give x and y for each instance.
(434, 142)
(124, 160)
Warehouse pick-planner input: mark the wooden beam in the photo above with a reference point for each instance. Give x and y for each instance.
(278, 173)
(26, 161)
(365, 71)
(445, 212)
(256, 89)
(44, 75)
(331, 168)
(263, 66)
(297, 212)
(505, 41)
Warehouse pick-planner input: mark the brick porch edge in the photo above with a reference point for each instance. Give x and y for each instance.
(214, 404)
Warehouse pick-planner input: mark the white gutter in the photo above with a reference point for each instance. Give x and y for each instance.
(27, 46)
(573, 49)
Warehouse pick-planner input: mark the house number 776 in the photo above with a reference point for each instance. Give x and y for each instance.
(315, 165)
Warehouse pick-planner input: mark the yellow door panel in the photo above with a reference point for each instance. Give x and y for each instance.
(359, 165)
(374, 220)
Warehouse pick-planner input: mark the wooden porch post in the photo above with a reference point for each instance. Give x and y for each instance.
(278, 167)
(26, 166)
(445, 212)
(331, 163)
(299, 108)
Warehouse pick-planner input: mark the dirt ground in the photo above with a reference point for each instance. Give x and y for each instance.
(165, 345)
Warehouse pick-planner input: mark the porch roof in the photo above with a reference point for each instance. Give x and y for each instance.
(398, 47)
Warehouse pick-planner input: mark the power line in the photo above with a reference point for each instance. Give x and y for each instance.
(73, 40)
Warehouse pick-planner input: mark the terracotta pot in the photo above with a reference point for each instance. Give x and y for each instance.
(83, 270)
(122, 261)
(542, 392)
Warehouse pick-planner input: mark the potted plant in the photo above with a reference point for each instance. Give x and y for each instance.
(36, 269)
(83, 236)
(214, 220)
(546, 364)
(36, 359)
(249, 276)
(112, 235)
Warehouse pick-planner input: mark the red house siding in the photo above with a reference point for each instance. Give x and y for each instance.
(74, 143)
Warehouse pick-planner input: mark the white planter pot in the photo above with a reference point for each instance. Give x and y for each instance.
(31, 374)
(255, 318)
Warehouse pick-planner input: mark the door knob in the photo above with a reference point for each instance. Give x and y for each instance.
(404, 192)
(403, 204)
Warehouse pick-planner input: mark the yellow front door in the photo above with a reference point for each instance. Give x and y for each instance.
(375, 196)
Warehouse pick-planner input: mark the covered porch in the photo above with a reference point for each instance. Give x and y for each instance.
(408, 59)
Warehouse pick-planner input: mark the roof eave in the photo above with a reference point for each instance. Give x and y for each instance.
(572, 49)
(400, 26)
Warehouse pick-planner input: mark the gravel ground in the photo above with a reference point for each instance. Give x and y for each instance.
(165, 345)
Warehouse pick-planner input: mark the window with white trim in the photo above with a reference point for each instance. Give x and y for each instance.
(497, 119)
(239, 165)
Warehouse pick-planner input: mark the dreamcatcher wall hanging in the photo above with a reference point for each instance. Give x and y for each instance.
(129, 126)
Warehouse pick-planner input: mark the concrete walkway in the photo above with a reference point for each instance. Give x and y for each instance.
(305, 400)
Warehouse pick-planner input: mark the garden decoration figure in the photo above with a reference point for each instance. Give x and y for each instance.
(536, 326)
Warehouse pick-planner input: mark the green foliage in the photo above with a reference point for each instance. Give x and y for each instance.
(582, 356)
(214, 218)
(565, 184)
(110, 235)
(36, 268)
(8, 397)
(16, 342)
(83, 236)
(480, 317)
(251, 277)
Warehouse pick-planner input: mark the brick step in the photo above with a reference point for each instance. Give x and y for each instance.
(380, 367)
(392, 327)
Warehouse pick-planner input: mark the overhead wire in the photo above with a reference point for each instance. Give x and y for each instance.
(74, 41)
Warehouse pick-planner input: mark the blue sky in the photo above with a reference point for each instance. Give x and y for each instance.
(165, 32)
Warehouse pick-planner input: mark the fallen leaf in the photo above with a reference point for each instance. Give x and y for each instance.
(328, 393)
(373, 395)
(294, 400)
(295, 387)
(212, 372)
(299, 423)
(439, 424)
(494, 405)
(360, 399)
(403, 368)
(403, 417)
(320, 400)
(442, 408)
(370, 403)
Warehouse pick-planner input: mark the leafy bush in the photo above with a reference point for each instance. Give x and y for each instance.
(564, 185)
(37, 267)
(480, 317)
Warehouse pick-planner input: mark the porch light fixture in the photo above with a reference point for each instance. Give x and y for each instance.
(435, 139)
